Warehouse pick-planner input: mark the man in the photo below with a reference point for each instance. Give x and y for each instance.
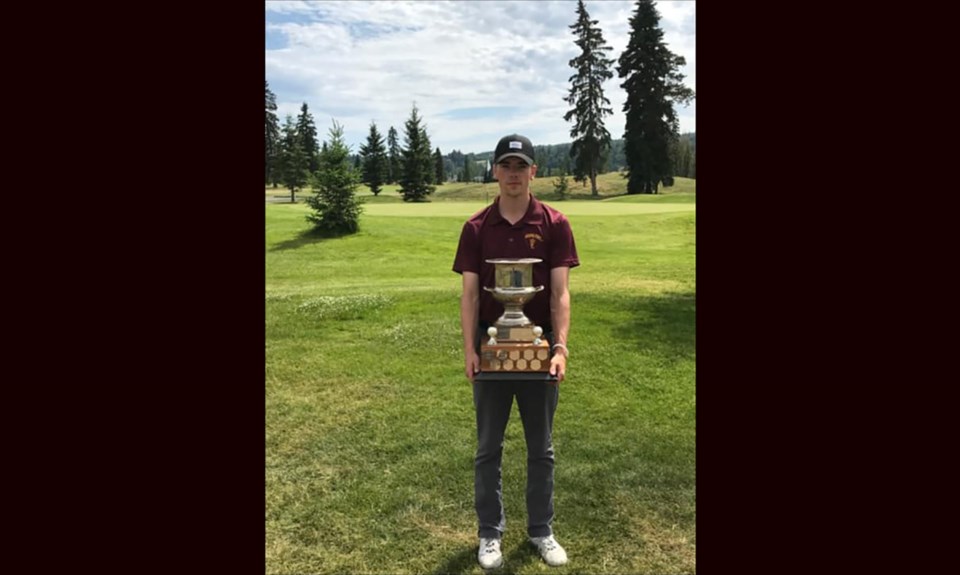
(516, 225)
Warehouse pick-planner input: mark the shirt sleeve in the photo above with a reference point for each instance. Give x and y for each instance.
(468, 251)
(563, 250)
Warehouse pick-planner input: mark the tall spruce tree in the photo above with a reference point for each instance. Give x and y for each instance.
(438, 163)
(393, 151)
(416, 169)
(591, 143)
(375, 160)
(308, 137)
(336, 209)
(653, 83)
(271, 146)
(428, 164)
(467, 172)
(293, 160)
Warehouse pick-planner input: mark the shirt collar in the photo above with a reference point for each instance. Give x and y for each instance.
(532, 217)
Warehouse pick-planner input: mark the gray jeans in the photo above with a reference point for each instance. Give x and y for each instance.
(537, 402)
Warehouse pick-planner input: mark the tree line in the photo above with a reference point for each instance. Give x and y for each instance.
(295, 158)
(554, 159)
(650, 153)
(293, 155)
(653, 151)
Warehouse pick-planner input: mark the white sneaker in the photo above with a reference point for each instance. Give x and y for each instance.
(550, 550)
(489, 555)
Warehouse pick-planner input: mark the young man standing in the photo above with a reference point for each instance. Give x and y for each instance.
(516, 225)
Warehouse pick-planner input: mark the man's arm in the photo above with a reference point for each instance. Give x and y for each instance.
(560, 317)
(469, 312)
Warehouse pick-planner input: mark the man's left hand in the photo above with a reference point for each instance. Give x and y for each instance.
(558, 366)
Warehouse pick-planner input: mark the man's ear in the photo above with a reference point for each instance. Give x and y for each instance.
(533, 172)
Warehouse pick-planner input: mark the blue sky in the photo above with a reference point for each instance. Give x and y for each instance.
(477, 70)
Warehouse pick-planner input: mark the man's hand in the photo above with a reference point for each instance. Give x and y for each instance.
(471, 365)
(558, 366)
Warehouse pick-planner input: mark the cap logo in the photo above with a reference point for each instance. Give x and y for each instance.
(516, 145)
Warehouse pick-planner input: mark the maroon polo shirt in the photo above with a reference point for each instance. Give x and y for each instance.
(542, 232)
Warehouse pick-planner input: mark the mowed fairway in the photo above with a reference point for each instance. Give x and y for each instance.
(465, 209)
(370, 432)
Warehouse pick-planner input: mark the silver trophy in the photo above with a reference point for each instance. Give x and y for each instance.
(515, 343)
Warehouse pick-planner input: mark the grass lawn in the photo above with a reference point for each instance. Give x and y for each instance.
(609, 187)
(370, 432)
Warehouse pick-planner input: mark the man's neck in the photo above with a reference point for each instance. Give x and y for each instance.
(513, 209)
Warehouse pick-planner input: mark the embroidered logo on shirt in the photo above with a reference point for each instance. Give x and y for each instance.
(533, 239)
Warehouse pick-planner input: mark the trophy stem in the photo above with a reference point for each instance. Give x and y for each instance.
(513, 316)
(513, 300)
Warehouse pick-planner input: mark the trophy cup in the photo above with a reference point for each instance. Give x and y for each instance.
(515, 346)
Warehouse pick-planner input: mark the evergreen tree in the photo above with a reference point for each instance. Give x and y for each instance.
(393, 149)
(441, 172)
(308, 137)
(693, 167)
(293, 160)
(272, 143)
(591, 139)
(429, 167)
(653, 83)
(488, 172)
(690, 169)
(416, 169)
(449, 170)
(336, 209)
(682, 154)
(456, 157)
(375, 160)
(561, 186)
(467, 172)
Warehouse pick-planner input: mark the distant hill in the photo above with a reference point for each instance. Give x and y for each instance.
(551, 158)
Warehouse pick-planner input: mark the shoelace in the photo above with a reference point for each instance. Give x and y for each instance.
(490, 547)
(548, 544)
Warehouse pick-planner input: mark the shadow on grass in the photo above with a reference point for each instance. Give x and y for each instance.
(667, 321)
(663, 323)
(459, 563)
(521, 555)
(304, 238)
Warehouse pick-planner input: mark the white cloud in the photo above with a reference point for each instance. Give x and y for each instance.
(362, 61)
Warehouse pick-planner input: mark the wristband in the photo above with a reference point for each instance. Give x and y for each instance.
(566, 352)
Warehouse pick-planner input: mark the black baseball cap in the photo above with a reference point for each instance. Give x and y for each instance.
(514, 145)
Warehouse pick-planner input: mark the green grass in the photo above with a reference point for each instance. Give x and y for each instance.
(611, 186)
(369, 420)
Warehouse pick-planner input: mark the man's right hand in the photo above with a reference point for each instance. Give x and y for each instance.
(471, 365)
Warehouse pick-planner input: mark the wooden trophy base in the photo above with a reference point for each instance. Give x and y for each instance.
(516, 357)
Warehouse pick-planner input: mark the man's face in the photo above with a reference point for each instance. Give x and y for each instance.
(514, 175)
